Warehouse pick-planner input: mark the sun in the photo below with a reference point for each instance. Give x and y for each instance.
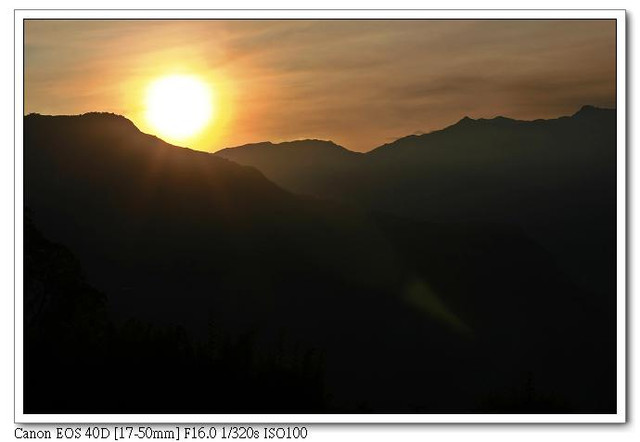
(178, 107)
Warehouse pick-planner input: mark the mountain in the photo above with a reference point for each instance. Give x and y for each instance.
(302, 166)
(392, 313)
(554, 178)
(129, 204)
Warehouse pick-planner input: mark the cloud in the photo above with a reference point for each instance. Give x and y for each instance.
(358, 82)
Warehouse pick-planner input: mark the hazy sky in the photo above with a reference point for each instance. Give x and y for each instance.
(358, 83)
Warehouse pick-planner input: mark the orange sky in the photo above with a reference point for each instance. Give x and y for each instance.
(360, 83)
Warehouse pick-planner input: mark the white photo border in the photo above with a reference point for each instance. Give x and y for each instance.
(618, 15)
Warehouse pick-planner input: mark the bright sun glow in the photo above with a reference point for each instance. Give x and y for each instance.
(179, 106)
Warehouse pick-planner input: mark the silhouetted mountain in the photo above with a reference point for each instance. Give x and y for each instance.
(554, 178)
(131, 204)
(302, 166)
(330, 307)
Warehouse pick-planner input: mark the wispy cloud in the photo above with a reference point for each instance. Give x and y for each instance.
(356, 82)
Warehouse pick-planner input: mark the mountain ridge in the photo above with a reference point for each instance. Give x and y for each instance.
(584, 111)
(485, 170)
(467, 121)
(174, 236)
(302, 143)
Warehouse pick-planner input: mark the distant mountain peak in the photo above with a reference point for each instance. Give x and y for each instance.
(300, 145)
(260, 144)
(499, 119)
(466, 120)
(88, 116)
(589, 109)
(309, 142)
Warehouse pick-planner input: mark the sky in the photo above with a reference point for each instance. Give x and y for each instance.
(359, 83)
